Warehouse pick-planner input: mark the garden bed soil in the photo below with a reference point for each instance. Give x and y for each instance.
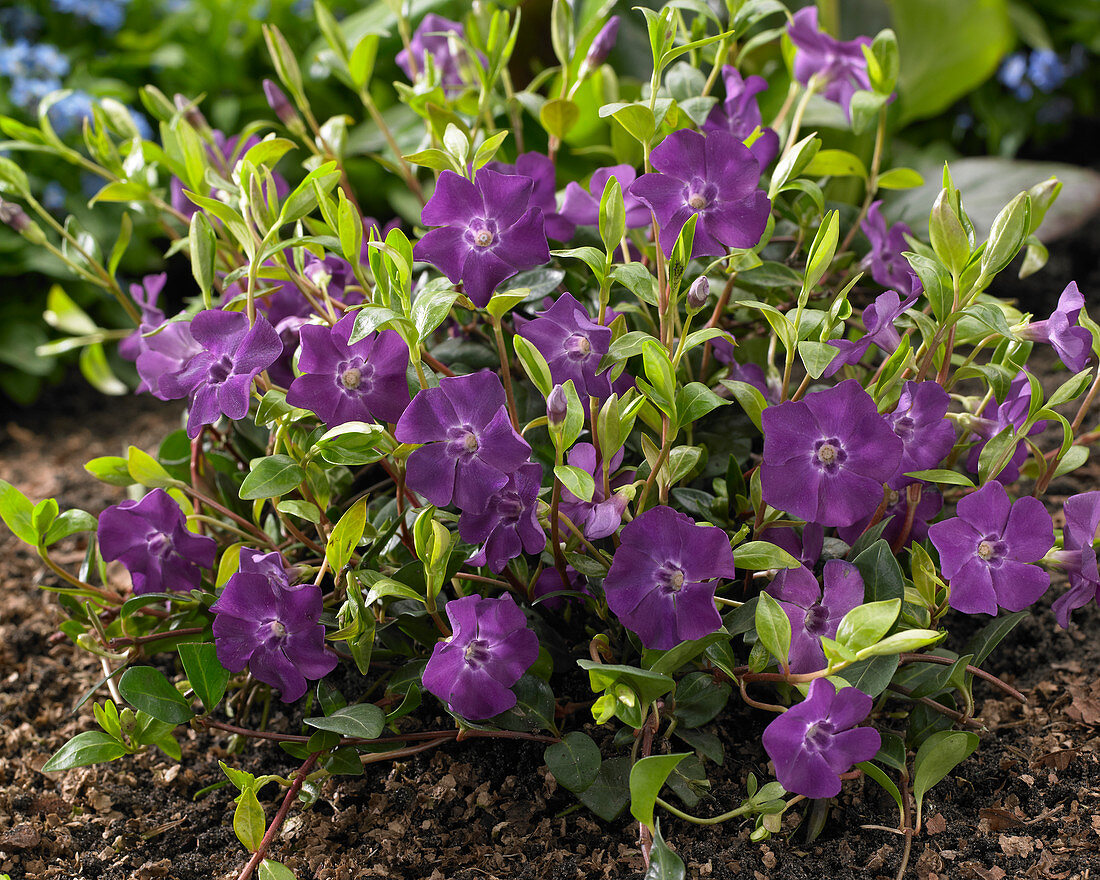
(1027, 804)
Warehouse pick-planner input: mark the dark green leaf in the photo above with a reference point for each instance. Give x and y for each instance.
(270, 477)
(146, 688)
(664, 864)
(882, 577)
(647, 777)
(207, 676)
(363, 720)
(939, 754)
(575, 761)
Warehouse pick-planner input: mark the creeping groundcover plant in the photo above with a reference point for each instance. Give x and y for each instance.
(658, 402)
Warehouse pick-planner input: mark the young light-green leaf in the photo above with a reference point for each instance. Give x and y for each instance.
(89, 747)
(774, 628)
(938, 755)
(346, 535)
(647, 777)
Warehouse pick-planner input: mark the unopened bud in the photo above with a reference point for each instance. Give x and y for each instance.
(280, 103)
(603, 44)
(698, 293)
(14, 216)
(191, 113)
(556, 406)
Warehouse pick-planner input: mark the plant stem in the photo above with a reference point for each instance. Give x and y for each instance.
(280, 817)
(712, 820)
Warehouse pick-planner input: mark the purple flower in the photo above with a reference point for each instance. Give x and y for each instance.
(827, 456)
(661, 583)
(878, 321)
(986, 551)
(750, 373)
(1077, 556)
(145, 295)
(739, 114)
(888, 267)
(812, 743)
(839, 66)
(488, 231)
(582, 207)
(716, 177)
(473, 670)
(470, 444)
(150, 537)
(805, 546)
(573, 345)
(361, 382)
(926, 436)
(601, 516)
(994, 419)
(897, 507)
(222, 155)
(442, 39)
(1072, 342)
(813, 612)
(331, 274)
(219, 378)
(540, 170)
(271, 627)
(509, 525)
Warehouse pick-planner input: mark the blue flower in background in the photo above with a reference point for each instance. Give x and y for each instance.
(19, 21)
(1013, 74)
(53, 197)
(107, 14)
(68, 113)
(1046, 70)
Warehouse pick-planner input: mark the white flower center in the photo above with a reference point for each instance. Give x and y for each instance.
(470, 441)
(278, 629)
(827, 453)
(985, 550)
(697, 201)
(351, 378)
(484, 238)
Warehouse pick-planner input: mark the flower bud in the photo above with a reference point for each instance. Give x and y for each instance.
(278, 101)
(603, 44)
(14, 216)
(191, 113)
(698, 293)
(556, 406)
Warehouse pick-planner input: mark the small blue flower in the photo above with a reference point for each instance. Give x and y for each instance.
(1013, 75)
(53, 197)
(70, 112)
(1046, 71)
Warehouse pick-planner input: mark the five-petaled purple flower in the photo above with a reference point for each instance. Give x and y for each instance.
(814, 612)
(739, 114)
(582, 207)
(919, 420)
(662, 579)
(509, 525)
(599, 517)
(573, 345)
(715, 176)
(897, 510)
(878, 322)
(219, 378)
(488, 231)
(271, 627)
(986, 551)
(827, 456)
(840, 67)
(470, 444)
(150, 537)
(1077, 556)
(474, 669)
(442, 39)
(1072, 342)
(361, 382)
(812, 743)
(888, 267)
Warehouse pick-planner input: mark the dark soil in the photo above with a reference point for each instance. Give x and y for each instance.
(1027, 804)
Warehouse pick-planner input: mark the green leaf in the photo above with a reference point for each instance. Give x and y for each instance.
(207, 676)
(664, 864)
(938, 475)
(763, 556)
(609, 792)
(816, 356)
(882, 577)
(12, 178)
(938, 755)
(346, 535)
(534, 364)
(576, 480)
(94, 368)
(89, 747)
(876, 773)
(271, 870)
(71, 522)
(146, 688)
(983, 642)
(362, 720)
(900, 178)
(694, 401)
(750, 398)
(431, 307)
(866, 624)
(901, 642)
(647, 777)
(636, 118)
(558, 116)
(774, 628)
(821, 252)
(612, 218)
(574, 761)
(146, 470)
(249, 822)
(1010, 230)
(17, 511)
(270, 477)
(836, 163)
(503, 301)
(872, 675)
